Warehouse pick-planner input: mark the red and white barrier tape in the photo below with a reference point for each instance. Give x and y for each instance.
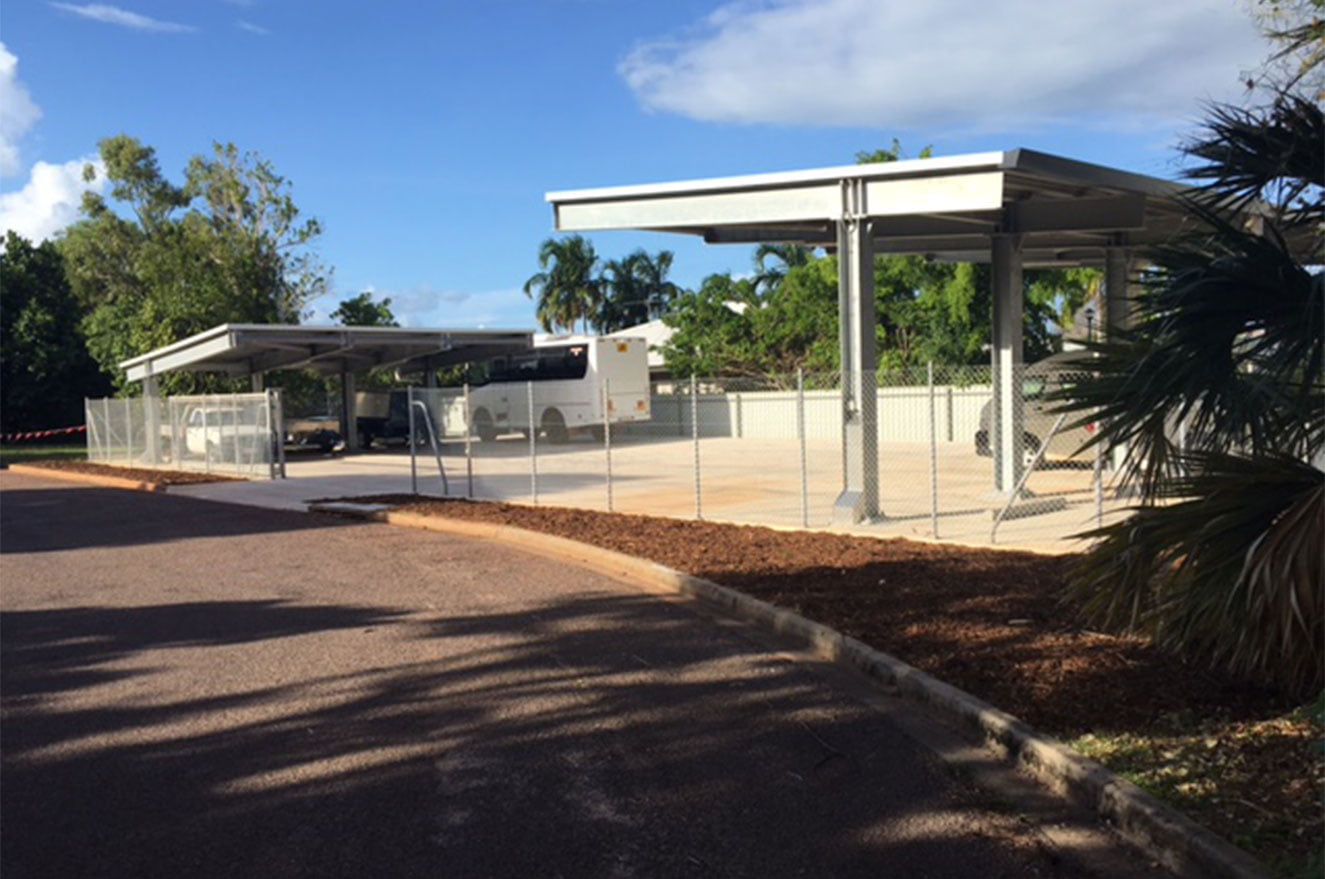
(29, 435)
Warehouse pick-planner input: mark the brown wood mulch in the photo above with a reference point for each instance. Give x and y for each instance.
(160, 477)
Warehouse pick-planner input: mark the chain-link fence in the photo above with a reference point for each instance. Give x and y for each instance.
(773, 450)
(229, 434)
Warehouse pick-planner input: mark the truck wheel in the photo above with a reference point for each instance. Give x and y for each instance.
(554, 425)
(982, 444)
(483, 426)
(1030, 447)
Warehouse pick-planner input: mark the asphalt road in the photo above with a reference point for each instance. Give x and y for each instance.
(195, 689)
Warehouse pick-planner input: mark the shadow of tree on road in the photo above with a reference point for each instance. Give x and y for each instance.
(594, 735)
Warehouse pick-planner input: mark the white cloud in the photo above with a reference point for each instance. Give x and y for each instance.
(426, 306)
(50, 199)
(950, 65)
(17, 112)
(124, 18)
(252, 28)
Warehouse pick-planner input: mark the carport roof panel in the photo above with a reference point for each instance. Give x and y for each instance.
(241, 349)
(943, 207)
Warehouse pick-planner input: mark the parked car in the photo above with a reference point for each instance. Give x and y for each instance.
(314, 432)
(1040, 378)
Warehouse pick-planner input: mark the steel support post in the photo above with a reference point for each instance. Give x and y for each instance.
(413, 443)
(533, 445)
(469, 448)
(933, 454)
(859, 500)
(349, 421)
(152, 415)
(607, 440)
(694, 430)
(1117, 315)
(1006, 439)
(800, 437)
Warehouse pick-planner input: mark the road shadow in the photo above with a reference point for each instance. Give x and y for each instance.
(53, 519)
(591, 735)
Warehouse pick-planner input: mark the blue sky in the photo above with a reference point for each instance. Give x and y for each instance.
(424, 136)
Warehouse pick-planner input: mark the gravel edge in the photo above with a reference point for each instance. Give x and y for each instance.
(1163, 833)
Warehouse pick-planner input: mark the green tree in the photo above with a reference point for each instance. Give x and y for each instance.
(635, 290)
(568, 286)
(45, 369)
(363, 311)
(773, 261)
(226, 246)
(1224, 558)
(712, 332)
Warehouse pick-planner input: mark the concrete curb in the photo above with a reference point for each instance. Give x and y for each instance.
(87, 478)
(1168, 836)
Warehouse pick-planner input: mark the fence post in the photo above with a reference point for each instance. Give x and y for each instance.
(694, 430)
(469, 450)
(533, 445)
(933, 456)
(234, 431)
(128, 431)
(949, 396)
(276, 421)
(105, 419)
(607, 438)
(87, 426)
(800, 435)
(206, 446)
(1099, 484)
(413, 443)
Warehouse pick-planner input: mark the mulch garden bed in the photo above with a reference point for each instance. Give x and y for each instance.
(139, 474)
(1236, 757)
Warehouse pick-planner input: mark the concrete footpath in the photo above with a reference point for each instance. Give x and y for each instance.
(203, 689)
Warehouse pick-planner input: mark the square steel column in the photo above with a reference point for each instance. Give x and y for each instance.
(1006, 360)
(152, 416)
(1117, 316)
(348, 414)
(1117, 301)
(859, 500)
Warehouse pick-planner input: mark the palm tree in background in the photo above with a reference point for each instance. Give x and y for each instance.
(636, 290)
(773, 261)
(1218, 396)
(568, 288)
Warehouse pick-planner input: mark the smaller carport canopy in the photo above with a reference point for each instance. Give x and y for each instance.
(254, 349)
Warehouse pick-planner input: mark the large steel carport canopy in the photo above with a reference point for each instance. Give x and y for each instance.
(1013, 209)
(255, 349)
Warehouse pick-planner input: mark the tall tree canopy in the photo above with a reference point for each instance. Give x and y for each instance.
(635, 290)
(45, 370)
(364, 311)
(163, 261)
(568, 288)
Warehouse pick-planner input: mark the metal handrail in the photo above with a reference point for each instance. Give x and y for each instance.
(1025, 475)
(432, 441)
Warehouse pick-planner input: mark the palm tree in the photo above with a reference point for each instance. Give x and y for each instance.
(636, 290)
(786, 257)
(1224, 556)
(568, 287)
